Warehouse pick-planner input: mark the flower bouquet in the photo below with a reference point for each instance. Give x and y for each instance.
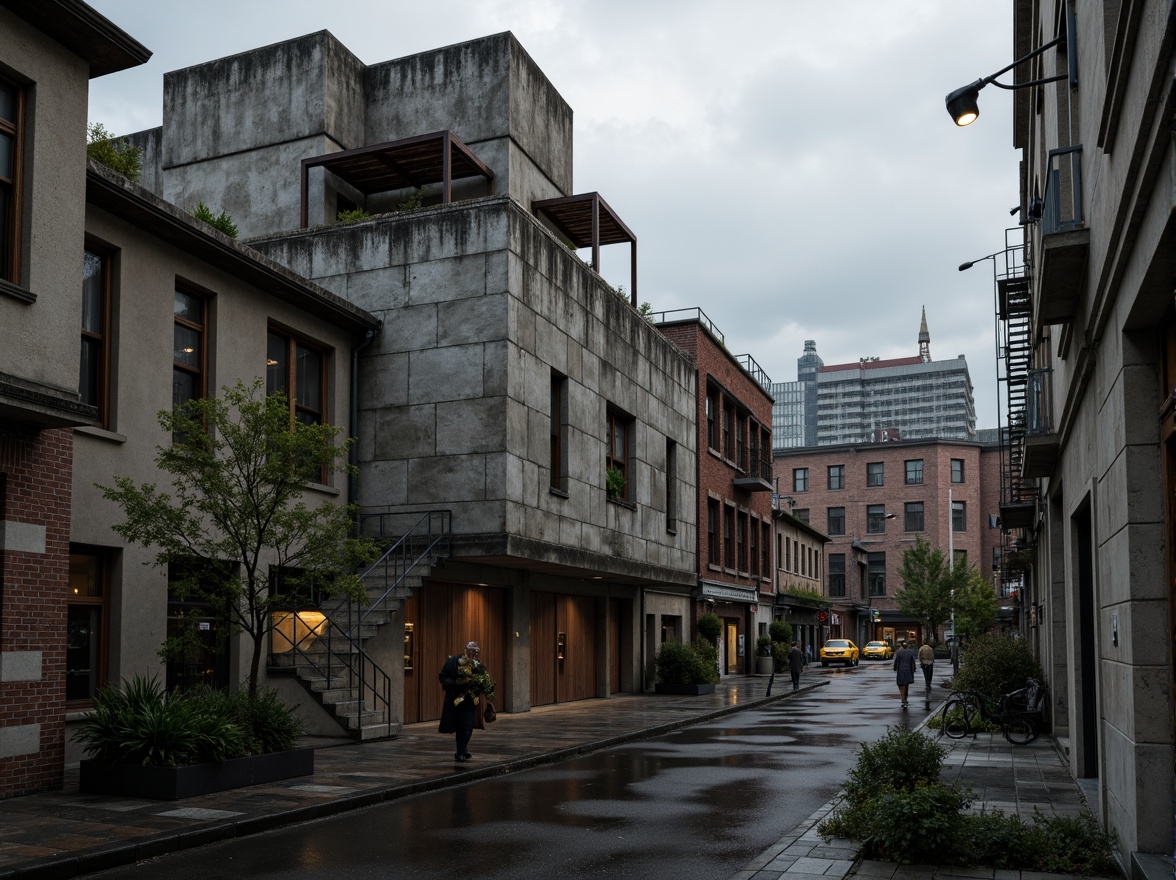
(474, 680)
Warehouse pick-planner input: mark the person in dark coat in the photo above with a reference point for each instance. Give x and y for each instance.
(904, 667)
(459, 713)
(795, 664)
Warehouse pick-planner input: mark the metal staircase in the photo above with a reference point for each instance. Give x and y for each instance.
(325, 648)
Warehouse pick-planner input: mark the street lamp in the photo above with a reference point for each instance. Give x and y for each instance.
(962, 104)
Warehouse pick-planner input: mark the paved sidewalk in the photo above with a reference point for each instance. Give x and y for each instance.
(66, 834)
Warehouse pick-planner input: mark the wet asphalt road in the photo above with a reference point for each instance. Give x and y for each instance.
(697, 803)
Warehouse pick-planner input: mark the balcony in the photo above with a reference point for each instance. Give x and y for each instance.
(755, 473)
(1065, 240)
(1041, 441)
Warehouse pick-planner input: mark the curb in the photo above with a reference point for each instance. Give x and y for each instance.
(122, 854)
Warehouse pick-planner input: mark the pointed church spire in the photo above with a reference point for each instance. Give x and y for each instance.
(924, 339)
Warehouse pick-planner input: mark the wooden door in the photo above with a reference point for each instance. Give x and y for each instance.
(563, 648)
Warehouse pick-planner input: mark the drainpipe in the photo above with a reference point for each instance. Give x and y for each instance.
(353, 415)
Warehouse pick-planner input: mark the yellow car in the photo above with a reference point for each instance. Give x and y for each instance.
(877, 651)
(839, 651)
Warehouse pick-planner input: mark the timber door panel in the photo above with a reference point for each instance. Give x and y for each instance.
(616, 610)
(444, 617)
(562, 671)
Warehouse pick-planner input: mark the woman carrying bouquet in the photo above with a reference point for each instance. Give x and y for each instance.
(468, 690)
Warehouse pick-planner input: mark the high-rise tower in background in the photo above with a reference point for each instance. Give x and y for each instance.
(872, 400)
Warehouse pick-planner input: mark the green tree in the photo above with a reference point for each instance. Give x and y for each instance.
(115, 153)
(238, 466)
(927, 584)
(975, 605)
(222, 221)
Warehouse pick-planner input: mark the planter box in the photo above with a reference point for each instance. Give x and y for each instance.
(684, 690)
(173, 783)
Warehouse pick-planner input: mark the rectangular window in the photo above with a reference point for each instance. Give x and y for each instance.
(671, 485)
(92, 379)
(712, 417)
(741, 541)
(876, 519)
(753, 556)
(11, 138)
(876, 573)
(740, 442)
(557, 416)
(802, 514)
(85, 646)
(728, 428)
(204, 658)
(957, 470)
(620, 433)
(914, 472)
(836, 476)
(913, 516)
(959, 516)
(835, 524)
(959, 558)
(874, 473)
(837, 575)
(292, 364)
(800, 479)
(729, 537)
(188, 355)
(779, 550)
(787, 554)
(766, 549)
(712, 531)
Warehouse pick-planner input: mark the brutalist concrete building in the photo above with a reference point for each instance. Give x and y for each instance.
(523, 432)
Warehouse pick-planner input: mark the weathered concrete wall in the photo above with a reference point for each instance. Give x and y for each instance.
(480, 305)
(150, 142)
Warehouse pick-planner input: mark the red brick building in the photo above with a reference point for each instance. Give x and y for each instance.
(735, 534)
(874, 500)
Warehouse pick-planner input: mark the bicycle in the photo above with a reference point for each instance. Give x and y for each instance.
(1019, 714)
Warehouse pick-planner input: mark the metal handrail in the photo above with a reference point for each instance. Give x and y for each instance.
(396, 557)
(693, 314)
(1052, 218)
(754, 370)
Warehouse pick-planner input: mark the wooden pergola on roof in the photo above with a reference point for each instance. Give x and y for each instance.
(439, 157)
(588, 221)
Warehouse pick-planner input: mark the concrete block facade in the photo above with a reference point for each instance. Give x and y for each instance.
(1104, 320)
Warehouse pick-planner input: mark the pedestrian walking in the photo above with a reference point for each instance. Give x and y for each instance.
(927, 663)
(795, 664)
(468, 691)
(904, 666)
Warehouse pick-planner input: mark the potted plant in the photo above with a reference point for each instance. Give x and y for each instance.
(143, 742)
(763, 656)
(614, 483)
(687, 669)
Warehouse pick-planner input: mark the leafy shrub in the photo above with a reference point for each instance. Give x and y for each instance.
(1070, 845)
(780, 656)
(614, 482)
(682, 663)
(352, 216)
(411, 203)
(917, 825)
(115, 153)
(139, 723)
(763, 647)
(710, 626)
(902, 759)
(222, 221)
(780, 632)
(996, 664)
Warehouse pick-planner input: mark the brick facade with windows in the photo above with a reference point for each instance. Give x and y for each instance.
(734, 481)
(894, 493)
(35, 476)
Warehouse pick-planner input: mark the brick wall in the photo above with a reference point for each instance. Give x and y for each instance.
(35, 489)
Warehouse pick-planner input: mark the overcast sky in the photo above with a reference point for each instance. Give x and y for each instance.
(787, 166)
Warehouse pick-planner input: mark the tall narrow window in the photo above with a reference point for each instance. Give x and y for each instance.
(875, 519)
(95, 309)
(913, 516)
(204, 658)
(959, 516)
(712, 417)
(837, 575)
(558, 419)
(85, 647)
(671, 485)
(753, 548)
(800, 479)
(620, 431)
(712, 531)
(729, 537)
(875, 471)
(740, 441)
(835, 521)
(957, 470)
(766, 549)
(728, 429)
(11, 136)
(836, 476)
(876, 573)
(188, 356)
(914, 472)
(292, 364)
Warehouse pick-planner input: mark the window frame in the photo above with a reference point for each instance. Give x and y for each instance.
(558, 418)
(293, 342)
(766, 549)
(876, 574)
(616, 418)
(200, 371)
(836, 477)
(913, 476)
(830, 519)
(836, 576)
(729, 536)
(875, 519)
(671, 485)
(875, 478)
(101, 601)
(714, 533)
(959, 523)
(911, 509)
(713, 405)
(800, 479)
(99, 338)
(12, 224)
(959, 470)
